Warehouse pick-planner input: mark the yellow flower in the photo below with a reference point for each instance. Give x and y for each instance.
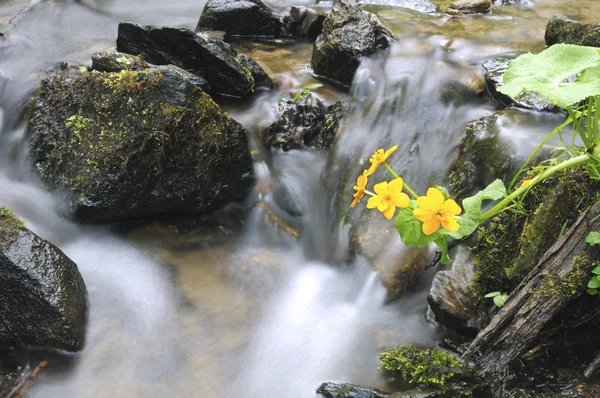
(524, 183)
(361, 185)
(434, 210)
(389, 196)
(379, 158)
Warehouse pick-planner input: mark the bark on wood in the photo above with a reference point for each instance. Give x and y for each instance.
(558, 278)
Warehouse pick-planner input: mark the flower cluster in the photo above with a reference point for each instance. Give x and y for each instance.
(432, 210)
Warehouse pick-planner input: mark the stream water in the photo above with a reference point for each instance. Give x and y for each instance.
(206, 310)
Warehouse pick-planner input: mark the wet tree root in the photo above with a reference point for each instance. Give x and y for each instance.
(559, 277)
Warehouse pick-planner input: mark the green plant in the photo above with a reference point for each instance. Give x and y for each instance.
(499, 298)
(422, 366)
(593, 239)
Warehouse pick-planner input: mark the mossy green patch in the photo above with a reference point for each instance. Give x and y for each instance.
(10, 226)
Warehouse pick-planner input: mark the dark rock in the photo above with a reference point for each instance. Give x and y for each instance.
(117, 62)
(214, 60)
(43, 297)
(561, 29)
(424, 6)
(261, 79)
(334, 390)
(136, 144)
(349, 34)
(111, 61)
(304, 122)
(470, 7)
(304, 22)
(240, 18)
(494, 77)
(453, 297)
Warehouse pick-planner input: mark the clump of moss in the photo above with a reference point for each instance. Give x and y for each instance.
(512, 244)
(430, 367)
(10, 226)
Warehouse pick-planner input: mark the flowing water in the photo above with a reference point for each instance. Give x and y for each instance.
(207, 309)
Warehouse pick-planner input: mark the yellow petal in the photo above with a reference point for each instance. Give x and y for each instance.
(389, 213)
(381, 188)
(371, 170)
(431, 226)
(354, 203)
(396, 185)
(435, 198)
(401, 200)
(390, 151)
(422, 202)
(373, 202)
(450, 223)
(451, 207)
(423, 215)
(383, 205)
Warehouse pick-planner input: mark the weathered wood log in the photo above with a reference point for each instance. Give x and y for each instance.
(560, 276)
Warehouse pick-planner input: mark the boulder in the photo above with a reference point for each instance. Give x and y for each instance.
(349, 34)
(304, 122)
(561, 29)
(494, 77)
(137, 144)
(240, 18)
(43, 297)
(453, 296)
(212, 59)
(399, 267)
(304, 22)
(462, 7)
(345, 390)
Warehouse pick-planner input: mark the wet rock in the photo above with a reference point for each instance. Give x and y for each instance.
(261, 79)
(136, 144)
(399, 267)
(304, 22)
(466, 84)
(240, 18)
(349, 34)
(334, 390)
(470, 7)
(213, 60)
(117, 62)
(43, 297)
(494, 77)
(424, 6)
(112, 61)
(304, 122)
(453, 297)
(561, 29)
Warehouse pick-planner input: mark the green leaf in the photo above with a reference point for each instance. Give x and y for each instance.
(594, 283)
(313, 86)
(500, 300)
(469, 221)
(411, 229)
(545, 73)
(592, 292)
(442, 243)
(492, 294)
(596, 270)
(593, 239)
(83, 70)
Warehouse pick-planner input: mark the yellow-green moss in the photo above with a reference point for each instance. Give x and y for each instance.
(10, 226)
(565, 288)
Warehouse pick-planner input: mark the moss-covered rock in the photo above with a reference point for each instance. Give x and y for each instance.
(349, 34)
(561, 29)
(43, 297)
(304, 122)
(511, 245)
(240, 18)
(136, 144)
(494, 77)
(212, 59)
(346, 390)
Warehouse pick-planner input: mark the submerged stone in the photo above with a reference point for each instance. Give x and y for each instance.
(240, 18)
(137, 144)
(424, 6)
(212, 59)
(470, 6)
(349, 34)
(43, 297)
(561, 29)
(494, 77)
(304, 122)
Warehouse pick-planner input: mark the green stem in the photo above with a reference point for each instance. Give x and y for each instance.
(369, 193)
(410, 191)
(501, 206)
